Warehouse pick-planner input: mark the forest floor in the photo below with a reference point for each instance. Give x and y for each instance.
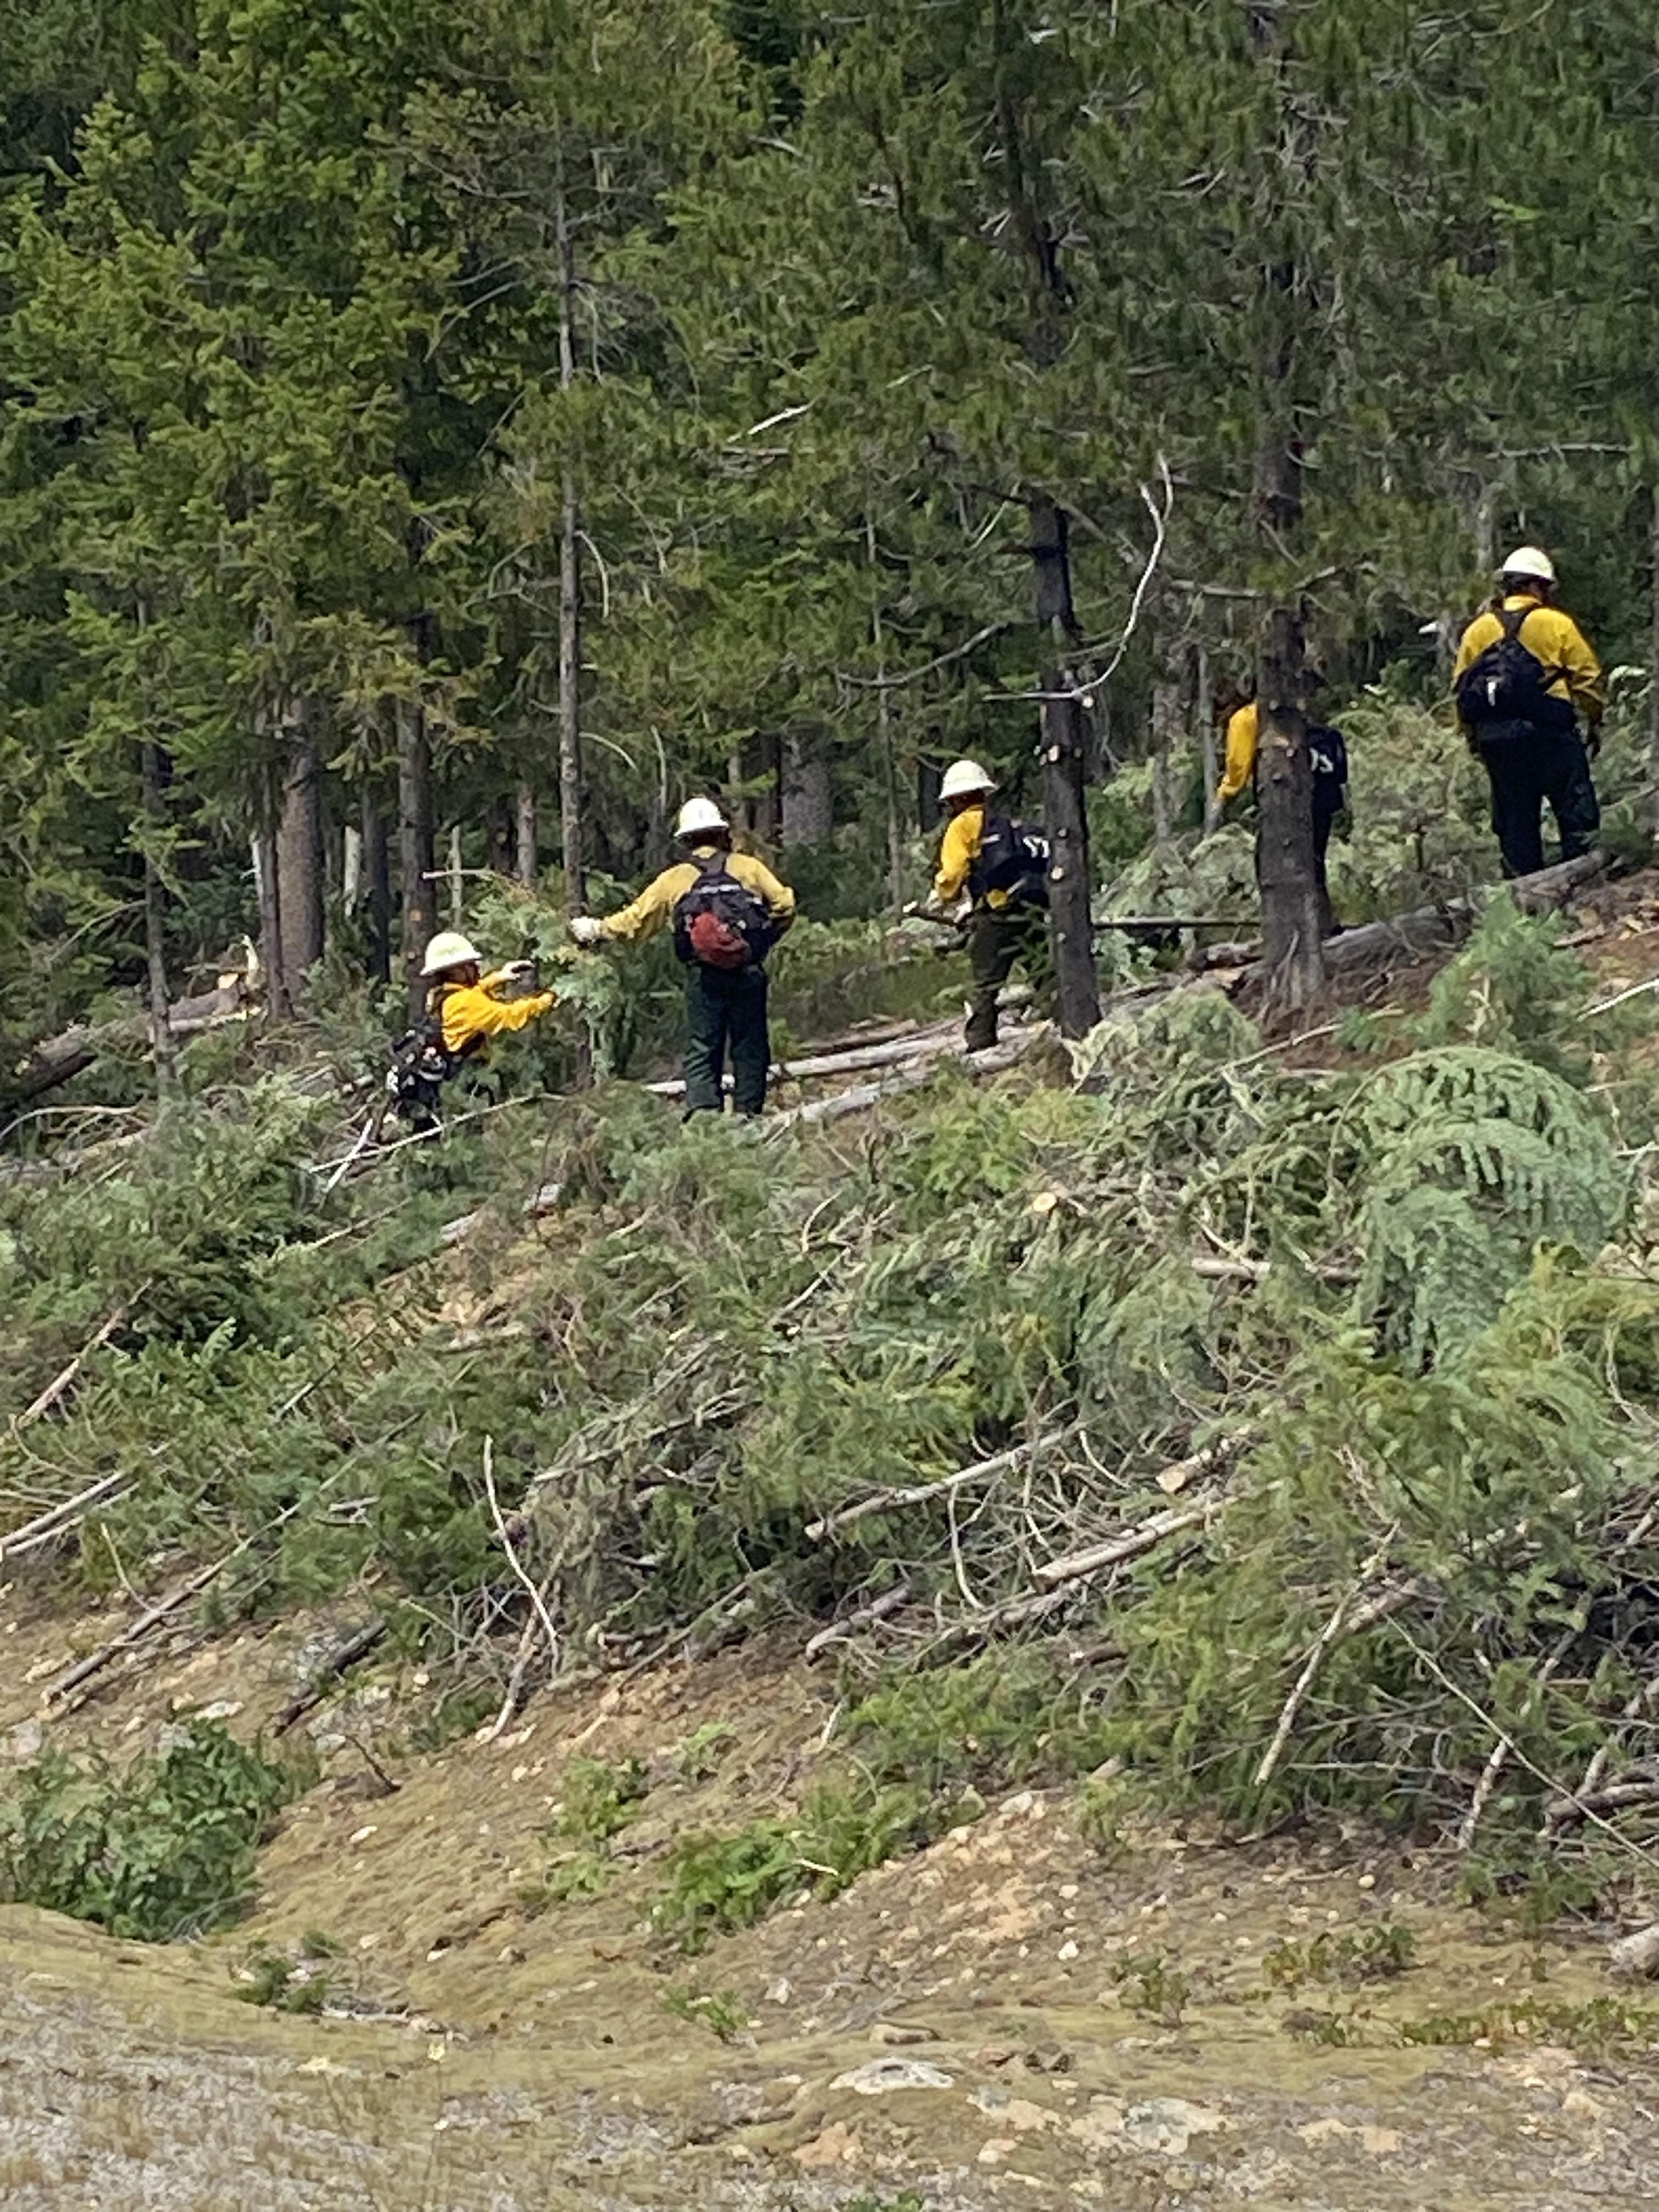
(1010, 2017)
(1013, 2016)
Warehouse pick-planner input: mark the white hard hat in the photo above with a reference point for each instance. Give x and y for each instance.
(449, 949)
(699, 815)
(964, 779)
(1529, 561)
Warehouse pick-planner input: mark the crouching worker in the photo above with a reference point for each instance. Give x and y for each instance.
(992, 878)
(728, 910)
(464, 1009)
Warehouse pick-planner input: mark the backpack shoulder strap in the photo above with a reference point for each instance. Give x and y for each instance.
(1513, 620)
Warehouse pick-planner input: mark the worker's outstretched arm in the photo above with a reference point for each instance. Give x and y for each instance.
(653, 909)
(780, 899)
(470, 1011)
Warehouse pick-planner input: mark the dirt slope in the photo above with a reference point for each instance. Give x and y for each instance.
(1037, 1985)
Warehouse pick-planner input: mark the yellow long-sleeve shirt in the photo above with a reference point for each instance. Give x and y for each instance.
(472, 1013)
(655, 907)
(964, 835)
(1243, 736)
(1571, 668)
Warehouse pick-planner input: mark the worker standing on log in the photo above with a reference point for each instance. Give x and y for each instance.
(1328, 757)
(992, 880)
(728, 910)
(1524, 677)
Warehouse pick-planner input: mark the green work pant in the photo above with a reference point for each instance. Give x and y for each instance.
(997, 936)
(726, 1010)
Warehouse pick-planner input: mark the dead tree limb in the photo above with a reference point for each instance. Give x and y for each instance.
(887, 1501)
(59, 1519)
(334, 1663)
(1131, 1542)
(62, 1383)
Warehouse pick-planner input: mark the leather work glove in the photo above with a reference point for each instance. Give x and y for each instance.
(957, 914)
(586, 929)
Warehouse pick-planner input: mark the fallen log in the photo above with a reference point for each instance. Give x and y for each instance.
(865, 1095)
(1430, 929)
(1638, 1954)
(55, 1060)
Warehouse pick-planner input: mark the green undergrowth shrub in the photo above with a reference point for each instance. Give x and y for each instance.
(992, 1722)
(160, 1848)
(716, 1884)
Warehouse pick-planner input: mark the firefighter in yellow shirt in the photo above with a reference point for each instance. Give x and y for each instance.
(1328, 757)
(1524, 680)
(464, 1009)
(728, 910)
(992, 877)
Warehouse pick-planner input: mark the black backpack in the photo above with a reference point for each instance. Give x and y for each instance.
(1507, 683)
(1328, 753)
(421, 1063)
(720, 922)
(1012, 858)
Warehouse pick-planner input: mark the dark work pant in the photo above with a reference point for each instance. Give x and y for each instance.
(725, 1009)
(1526, 768)
(997, 936)
(1327, 795)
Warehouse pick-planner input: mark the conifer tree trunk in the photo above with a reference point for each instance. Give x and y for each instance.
(300, 856)
(1209, 737)
(523, 839)
(570, 658)
(415, 845)
(808, 808)
(1070, 927)
(1653, 660)
(154, 809)
(1292, 911)
(1166, 723)
(279, 1002)
(377, 874)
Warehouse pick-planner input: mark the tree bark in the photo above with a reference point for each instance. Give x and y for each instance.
(415, 844)
(377, 873)
(154, 808)
(570, 663)
(300, 856)
(279, 999)
(1209, 736)
(1653, 662)
(1166, 724)
(523, 836)
(1063, 743)
(808, 808)
(1293, 916)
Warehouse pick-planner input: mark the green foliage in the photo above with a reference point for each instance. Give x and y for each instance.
(722, 2012)
(162, 1849)
(704, 1749)
(1378, 1953)
(992, 1722)
(716, 1884)
(307, 1983)
(601, 1797)
(1151, 1984)
(1471, 1158)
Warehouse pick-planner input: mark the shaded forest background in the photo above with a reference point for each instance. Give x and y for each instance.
(439, 437)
